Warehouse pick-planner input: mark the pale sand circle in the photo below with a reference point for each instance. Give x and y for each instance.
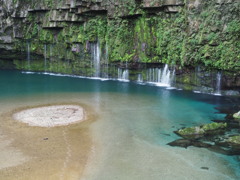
(50, 116)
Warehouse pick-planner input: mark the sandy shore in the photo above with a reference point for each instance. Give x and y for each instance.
(7, 151)
(50, 144)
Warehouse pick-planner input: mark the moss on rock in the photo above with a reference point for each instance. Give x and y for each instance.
(214, 126)
(236, 115)
(191, 131)
(201, 130)
(234, 139)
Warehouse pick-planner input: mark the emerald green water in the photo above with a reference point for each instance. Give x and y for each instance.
(135, 122)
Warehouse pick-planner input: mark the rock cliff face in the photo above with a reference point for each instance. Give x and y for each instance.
(183, 33)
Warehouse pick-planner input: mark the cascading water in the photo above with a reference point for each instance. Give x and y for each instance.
(165, 78)
(123, 74)
(140, 78)
(218, 84)
(106, 65)
(72, 3)
(95, 52)
(154, 75)
(160, 77)
(28, 55)
(45, 57)
(51, 50)
(106, 53)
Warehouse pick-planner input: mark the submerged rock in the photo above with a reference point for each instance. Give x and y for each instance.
(201, 130)
(236, 115)
(218, 137)
(221, 136)
(188, 142)
(205, 168)
(181, 143)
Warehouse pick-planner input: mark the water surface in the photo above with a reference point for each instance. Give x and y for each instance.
(129, 135)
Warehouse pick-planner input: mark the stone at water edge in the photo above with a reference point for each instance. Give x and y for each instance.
(236, 115)
(213, 126)
(190, 131)
(215, 137)
(201, 130)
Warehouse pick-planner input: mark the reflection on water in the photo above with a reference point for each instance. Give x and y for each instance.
(133, 125)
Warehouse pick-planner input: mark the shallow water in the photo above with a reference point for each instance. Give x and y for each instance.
(131, 126)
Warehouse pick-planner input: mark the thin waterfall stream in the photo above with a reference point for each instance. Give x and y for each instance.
(160, 76)
(45, 57)
(123, 74)
(218, 83)
(96, 58)
(29, 55)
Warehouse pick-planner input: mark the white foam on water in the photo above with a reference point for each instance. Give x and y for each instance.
(28, 72)
(162, 84)
(123, 76)
(170, 88)
(197, 92)
(217, 94)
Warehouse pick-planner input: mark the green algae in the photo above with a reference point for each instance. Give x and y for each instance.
(201, 130)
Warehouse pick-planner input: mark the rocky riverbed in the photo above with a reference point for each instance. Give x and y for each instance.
(221, 136)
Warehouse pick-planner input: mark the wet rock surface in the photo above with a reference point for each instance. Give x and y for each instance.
(205, 129)
(221, 136)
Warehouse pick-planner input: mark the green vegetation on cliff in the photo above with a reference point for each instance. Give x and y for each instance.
(180, 33)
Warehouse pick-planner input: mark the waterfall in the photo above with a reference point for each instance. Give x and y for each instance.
(123, 74)
(95, 51)
(28, 55)
(154, 75)
(106, 52)
(160, 77)
(45, 57)
(106, 61)
(218, 84)
(165, 78)
(140, 78)
(172, 80)
(72, 3)
(51, 50)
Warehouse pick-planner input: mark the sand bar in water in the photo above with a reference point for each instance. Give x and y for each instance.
(50, 116)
